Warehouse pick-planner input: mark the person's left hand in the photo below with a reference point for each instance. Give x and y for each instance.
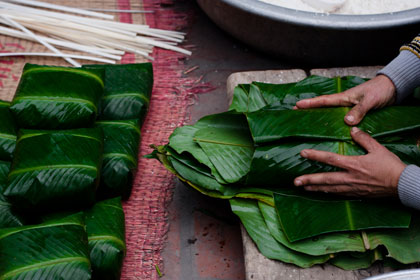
(375, 174)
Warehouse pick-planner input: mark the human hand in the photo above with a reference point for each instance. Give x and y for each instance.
(375, 174)
(373, 94)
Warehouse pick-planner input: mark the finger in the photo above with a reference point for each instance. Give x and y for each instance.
(338, 99)
(338, 189)
(364, 140)
(358, 112)
(326, 178)
(344, 162)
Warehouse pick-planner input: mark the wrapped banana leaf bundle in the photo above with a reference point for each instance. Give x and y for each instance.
(250, 155)
(56, 249)
(106, 234)
(124, 105)
(55, 169)
(51, 97)
(8, 132)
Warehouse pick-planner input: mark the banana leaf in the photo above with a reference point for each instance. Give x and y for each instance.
(57, 249)
(283, 160)
(268, 125)
(55, 169)
(253, 221)
(106, 234)
(127, 91)
(7, 132)
(8, 215)
(51, 97)
(403, 245)
(121, 145)
(284, 96)
(350, 214)
(316, 246)
(353, 261)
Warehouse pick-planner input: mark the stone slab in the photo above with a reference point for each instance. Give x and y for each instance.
(258, 267)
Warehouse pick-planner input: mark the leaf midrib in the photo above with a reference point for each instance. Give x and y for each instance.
(107, 237)
(56, 98)
(54, 166)
(222, 143)
(43, 265)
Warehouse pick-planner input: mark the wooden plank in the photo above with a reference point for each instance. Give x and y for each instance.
(258, 267)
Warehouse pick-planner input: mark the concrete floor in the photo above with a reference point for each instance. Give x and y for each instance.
(204, 239)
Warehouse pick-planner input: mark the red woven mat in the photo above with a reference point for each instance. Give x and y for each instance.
(146, 214)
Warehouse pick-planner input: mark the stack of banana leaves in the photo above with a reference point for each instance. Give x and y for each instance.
(68, 153)
(250, 155)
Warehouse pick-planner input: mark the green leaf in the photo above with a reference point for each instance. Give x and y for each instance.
(403, 245)
(328, 123)
(316, 246)
(57, 249)
(279, 164)
(51, 97)
(121, 144)
(55, 169)
(182, 140)
(295, 210)
(253, 221)
(8, 215)
(353, 261)
(106, 234)
(7, 132)
(230, 151)
(127, 90)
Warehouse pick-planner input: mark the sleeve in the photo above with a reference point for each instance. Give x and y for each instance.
(409, 187)
(404, 70)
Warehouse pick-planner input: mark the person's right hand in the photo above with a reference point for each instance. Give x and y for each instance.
(373, 94)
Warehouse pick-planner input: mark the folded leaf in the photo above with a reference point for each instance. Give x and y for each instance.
(353, 261)
(7, 132)
(285, 96)
(57, 249)
(51, 97)
(55, 169)
(296, 210)
(8, 215)
(253, 221)
(316, 246)
(402, 245)
(106, 234)
(328, 123)
(121, 145)
(127, 91)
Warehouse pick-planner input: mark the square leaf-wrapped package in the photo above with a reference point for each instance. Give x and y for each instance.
(57, 249)
(121, 145)
(7, 132)
(55, 169)
(51, 97)
(106, 234)
(127, 90)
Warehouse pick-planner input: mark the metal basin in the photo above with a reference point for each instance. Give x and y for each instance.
(315, 39)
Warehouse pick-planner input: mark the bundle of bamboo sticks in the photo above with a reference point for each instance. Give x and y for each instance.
(60, 27)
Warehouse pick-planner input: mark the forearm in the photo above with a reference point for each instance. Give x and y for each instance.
(404, 70)
(409, 187)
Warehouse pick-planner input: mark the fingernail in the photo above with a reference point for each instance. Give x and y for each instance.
(355, 129)
(298, 183)
(350, 118)
(304, 153)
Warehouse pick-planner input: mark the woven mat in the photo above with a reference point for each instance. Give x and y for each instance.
(146, 215)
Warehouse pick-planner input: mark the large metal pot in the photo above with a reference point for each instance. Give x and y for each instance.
(316, 39)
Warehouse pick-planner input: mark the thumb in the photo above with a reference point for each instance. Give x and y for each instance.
(357, 113)
(364, 139)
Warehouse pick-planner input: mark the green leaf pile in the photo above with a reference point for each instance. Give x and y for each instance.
(251, 154)
(69, 145)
